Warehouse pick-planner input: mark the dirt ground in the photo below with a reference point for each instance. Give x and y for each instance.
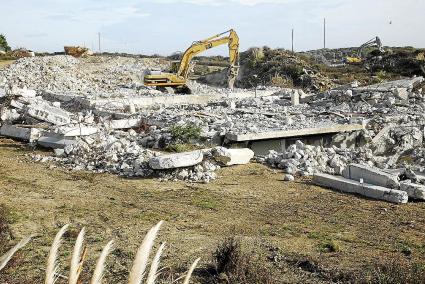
(251, 202)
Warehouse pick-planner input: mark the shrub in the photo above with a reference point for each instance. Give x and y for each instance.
(3, 43)
(185, 133)
(397, 270)
(238, 266)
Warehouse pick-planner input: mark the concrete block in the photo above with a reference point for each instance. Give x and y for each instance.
(401, 93)
(21, 133)
(364, 189)
(178, 160)
(49, 113)
(55, 142)
(79, 131)
(230, 157)
(123, 123)
(414, 190)
(371, 175)
(295, 98)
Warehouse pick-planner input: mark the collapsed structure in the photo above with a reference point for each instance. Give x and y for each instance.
(97, 115)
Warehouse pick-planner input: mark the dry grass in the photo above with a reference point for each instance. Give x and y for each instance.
(248, 201)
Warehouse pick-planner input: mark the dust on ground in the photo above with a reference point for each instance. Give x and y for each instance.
(249, 201)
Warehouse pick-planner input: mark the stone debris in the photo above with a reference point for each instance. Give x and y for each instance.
(415, 191)
(371, 175)
(96, 115)
(229, 157)
(20, 133)
(364, 189)
(179, 160)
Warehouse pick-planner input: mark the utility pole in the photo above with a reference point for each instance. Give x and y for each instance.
(292, 40)
(100, 51)
(324, 32)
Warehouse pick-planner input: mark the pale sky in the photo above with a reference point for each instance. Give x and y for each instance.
(166, 26)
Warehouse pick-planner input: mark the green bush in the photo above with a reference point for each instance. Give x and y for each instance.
(185, 133)
(3, 43)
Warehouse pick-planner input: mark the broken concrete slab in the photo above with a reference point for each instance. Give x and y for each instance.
(123, 123)
(79, 131)
(179, 160)
(59, 142)
(229, 157)
(371, 175)
(409, 84)
(48, 113)
(292, 133)
(364, 189)
(295, 98)
(21, 133)
(168, 100)
(414, 190)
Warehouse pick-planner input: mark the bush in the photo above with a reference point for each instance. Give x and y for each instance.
(397, 271)
(234, 265)
(185, 133)
(3, 43)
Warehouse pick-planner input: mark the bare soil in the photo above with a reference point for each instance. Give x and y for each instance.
(251, 202)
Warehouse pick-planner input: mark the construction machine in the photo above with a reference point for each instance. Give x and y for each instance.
(375, 42)
(177, 78)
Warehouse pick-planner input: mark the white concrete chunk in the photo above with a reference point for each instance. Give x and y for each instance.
(230, 157)
(49, 113)
(79, 131)
(414, 190)
(123, 123)
(55, 142)
(371, 175)
(368, 190)
(178, 160)
(21, 133)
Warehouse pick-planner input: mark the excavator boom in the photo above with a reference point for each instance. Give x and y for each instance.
(179, 79)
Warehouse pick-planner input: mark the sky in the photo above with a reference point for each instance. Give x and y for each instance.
(166, 26)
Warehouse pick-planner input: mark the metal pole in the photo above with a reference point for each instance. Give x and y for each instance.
(100, 51)
(324, 32)
(292, 40)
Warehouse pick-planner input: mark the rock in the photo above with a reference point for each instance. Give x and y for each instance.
(21, 133)
(48, 113)
(178, 160)
(416, 191)
(59, 152)
(288, 177)
(401, 93)
(228, 157)
(295, 98)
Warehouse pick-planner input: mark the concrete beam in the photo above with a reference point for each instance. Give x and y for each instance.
(414, 190)
(168, 100)
(59, 142)
(371, 175)
(293, 133)
(21, 133)
(364, 189)
(49, 113)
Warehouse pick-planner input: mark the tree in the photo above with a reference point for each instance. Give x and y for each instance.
(3, 43)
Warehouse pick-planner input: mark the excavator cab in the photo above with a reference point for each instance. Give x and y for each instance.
(178, 76)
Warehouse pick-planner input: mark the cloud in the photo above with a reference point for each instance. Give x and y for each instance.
(104, 15)
(224, 2)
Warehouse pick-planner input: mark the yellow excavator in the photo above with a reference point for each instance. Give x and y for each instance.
(375, 42)
(178, 77)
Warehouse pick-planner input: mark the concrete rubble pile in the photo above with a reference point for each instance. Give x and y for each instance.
(393, 138)
(85, 140)
(97, 115)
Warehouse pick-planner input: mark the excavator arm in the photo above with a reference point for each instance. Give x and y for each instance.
(179, 79)
(359, 57)
(200, 46)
